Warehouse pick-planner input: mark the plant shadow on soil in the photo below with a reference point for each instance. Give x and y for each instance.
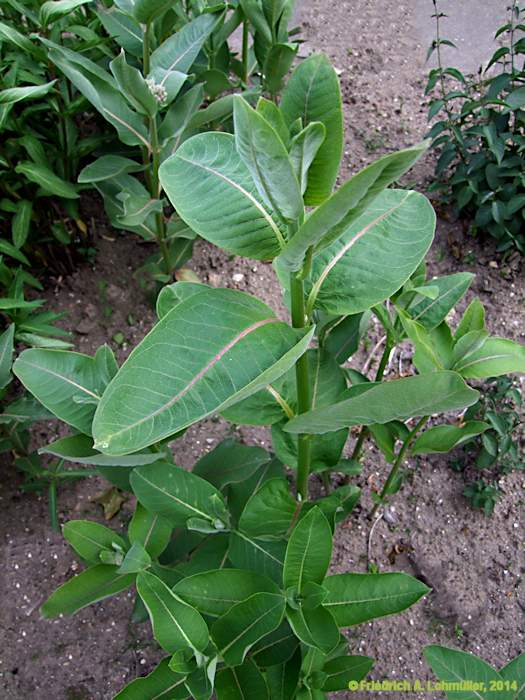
(475, 565)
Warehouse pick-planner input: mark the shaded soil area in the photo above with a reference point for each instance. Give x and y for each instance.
(474, 565)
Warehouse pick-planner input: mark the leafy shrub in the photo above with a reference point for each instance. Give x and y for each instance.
(479, 134)
(230, 563)
(496, 450)
(171, 61)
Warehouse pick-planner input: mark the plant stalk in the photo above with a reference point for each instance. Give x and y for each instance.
(245, 52)
(363, 434)
(397, 463)
(302, 377)
(153, 161)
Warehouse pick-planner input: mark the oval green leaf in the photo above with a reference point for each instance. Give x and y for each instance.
(172, 379)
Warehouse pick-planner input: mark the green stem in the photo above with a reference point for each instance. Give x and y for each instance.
(245, 52)
(389, 344)
(153, 161)
(52, 504)
(302, 376)
(397, 463)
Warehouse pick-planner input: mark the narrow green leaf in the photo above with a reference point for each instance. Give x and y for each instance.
(497, 356)
(79, 449)
(88, 539)
(430, 312)
(21, 222)
(132, 85)
(6, 355)
(443, 438)
(266, 157)
(399, 399)
(153, 397)
(180, 50)
(176, 625)
(303, 149)
(309, 551)
(11, 96)
(472, 320)
(161, 684)
(356, 598)
(53, 10)
(312, 93)
(90, 586)
(46, 178)
(246, 623)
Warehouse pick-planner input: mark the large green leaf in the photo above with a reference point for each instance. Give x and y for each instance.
(497, 356)
(451, 288)
(356, 598)
(69, 384)
(212, 190)
(156, 394)
(277, 647)
(244, 682)
(454, 666)
(266, 157)
(395, 400)
(100, 89)
(312, 94)
(235, 632)
(374, 256)
(161, 684)
(90, 586)
(176, 625)
(213, 593)
(89, 538)
(309, 551)
(338, 213)
(178, 495)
